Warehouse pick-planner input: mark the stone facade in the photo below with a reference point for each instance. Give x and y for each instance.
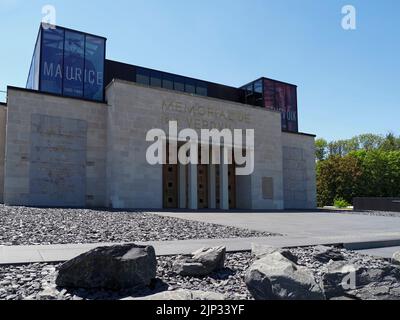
(53, 145)
(70, 152)
(3, 117)
(299, 168)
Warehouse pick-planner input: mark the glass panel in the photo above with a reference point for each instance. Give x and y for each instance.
(36, 63)
(51, 73)
(258, 86)
(190, 86)
(258, 93)
(201, 89)
(94, 68)
(74, 64)
(143, 76)
(168, 82)
(155, 80)
(282, 97)
(179, 84)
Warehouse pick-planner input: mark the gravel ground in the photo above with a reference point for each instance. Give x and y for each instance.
(34, 226)
(37, 281)
(374, 213)
(354, 258)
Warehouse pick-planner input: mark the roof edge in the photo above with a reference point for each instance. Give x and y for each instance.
(54, 95)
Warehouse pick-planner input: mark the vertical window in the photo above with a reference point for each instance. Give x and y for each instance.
(143, 76)
(155, 79)
(201, 89)
(168, 82)
(179, 84)
(258, 93)
(74, 50)
(36, 63)
(51, 73)
(94, 68)
(190, 86)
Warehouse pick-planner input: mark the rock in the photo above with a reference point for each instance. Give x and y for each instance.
(114, 268)
(361, 283)
(202, 263)
(325, 254)
(259, 251)
(182, 295)
(396, 258)
(274, 277)
(48, 293)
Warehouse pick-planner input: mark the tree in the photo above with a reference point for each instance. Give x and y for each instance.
(321, 146)
(338, 177)
(370, 141)
(390, 143)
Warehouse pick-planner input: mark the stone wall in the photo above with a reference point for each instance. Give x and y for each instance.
(135, 109)
(77, 153)
(55, 151)
(299, 177)
(3, 116)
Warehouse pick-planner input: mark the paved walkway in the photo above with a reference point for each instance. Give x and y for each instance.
(60, 253)
(381, 252)
(300, 229)
(304, 224)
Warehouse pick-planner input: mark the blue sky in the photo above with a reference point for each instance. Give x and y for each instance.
(348, 81)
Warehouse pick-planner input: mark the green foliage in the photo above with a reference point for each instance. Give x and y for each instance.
(362, 173)
(341, 203)
(367, 142)
(321, 149)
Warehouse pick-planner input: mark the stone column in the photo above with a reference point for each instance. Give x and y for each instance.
(224, 180)
(193, 192)
(212, 187)
(182, 187)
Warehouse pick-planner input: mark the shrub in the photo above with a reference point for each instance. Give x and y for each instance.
(362, 173)
(341, 203)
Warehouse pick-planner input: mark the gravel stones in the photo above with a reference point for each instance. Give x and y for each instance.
(325, 254)
(202, 262)
(227, 282)
(260, 251)
(361, 283)
(274, 277)
(114, 268)
(373, 283)
(396, 258)
(183, 295)
(35, 226)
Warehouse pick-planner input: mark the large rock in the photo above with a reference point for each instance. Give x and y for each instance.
(259, 251)
(396, 258)
(362, 283)
(201, 263)
(114, 268)
(182, 295)
(274, 277)
(325, 254)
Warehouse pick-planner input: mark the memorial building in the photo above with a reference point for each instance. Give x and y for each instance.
(75, 136)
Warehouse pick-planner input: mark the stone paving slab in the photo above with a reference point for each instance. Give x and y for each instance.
(381, 252)
(304, 224)
(61, 253)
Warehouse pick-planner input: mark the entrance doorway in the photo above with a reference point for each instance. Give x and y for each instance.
(176, 188)
(231, 186)
(170, 185)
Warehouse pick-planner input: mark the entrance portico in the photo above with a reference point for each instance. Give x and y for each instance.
(200, 186)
